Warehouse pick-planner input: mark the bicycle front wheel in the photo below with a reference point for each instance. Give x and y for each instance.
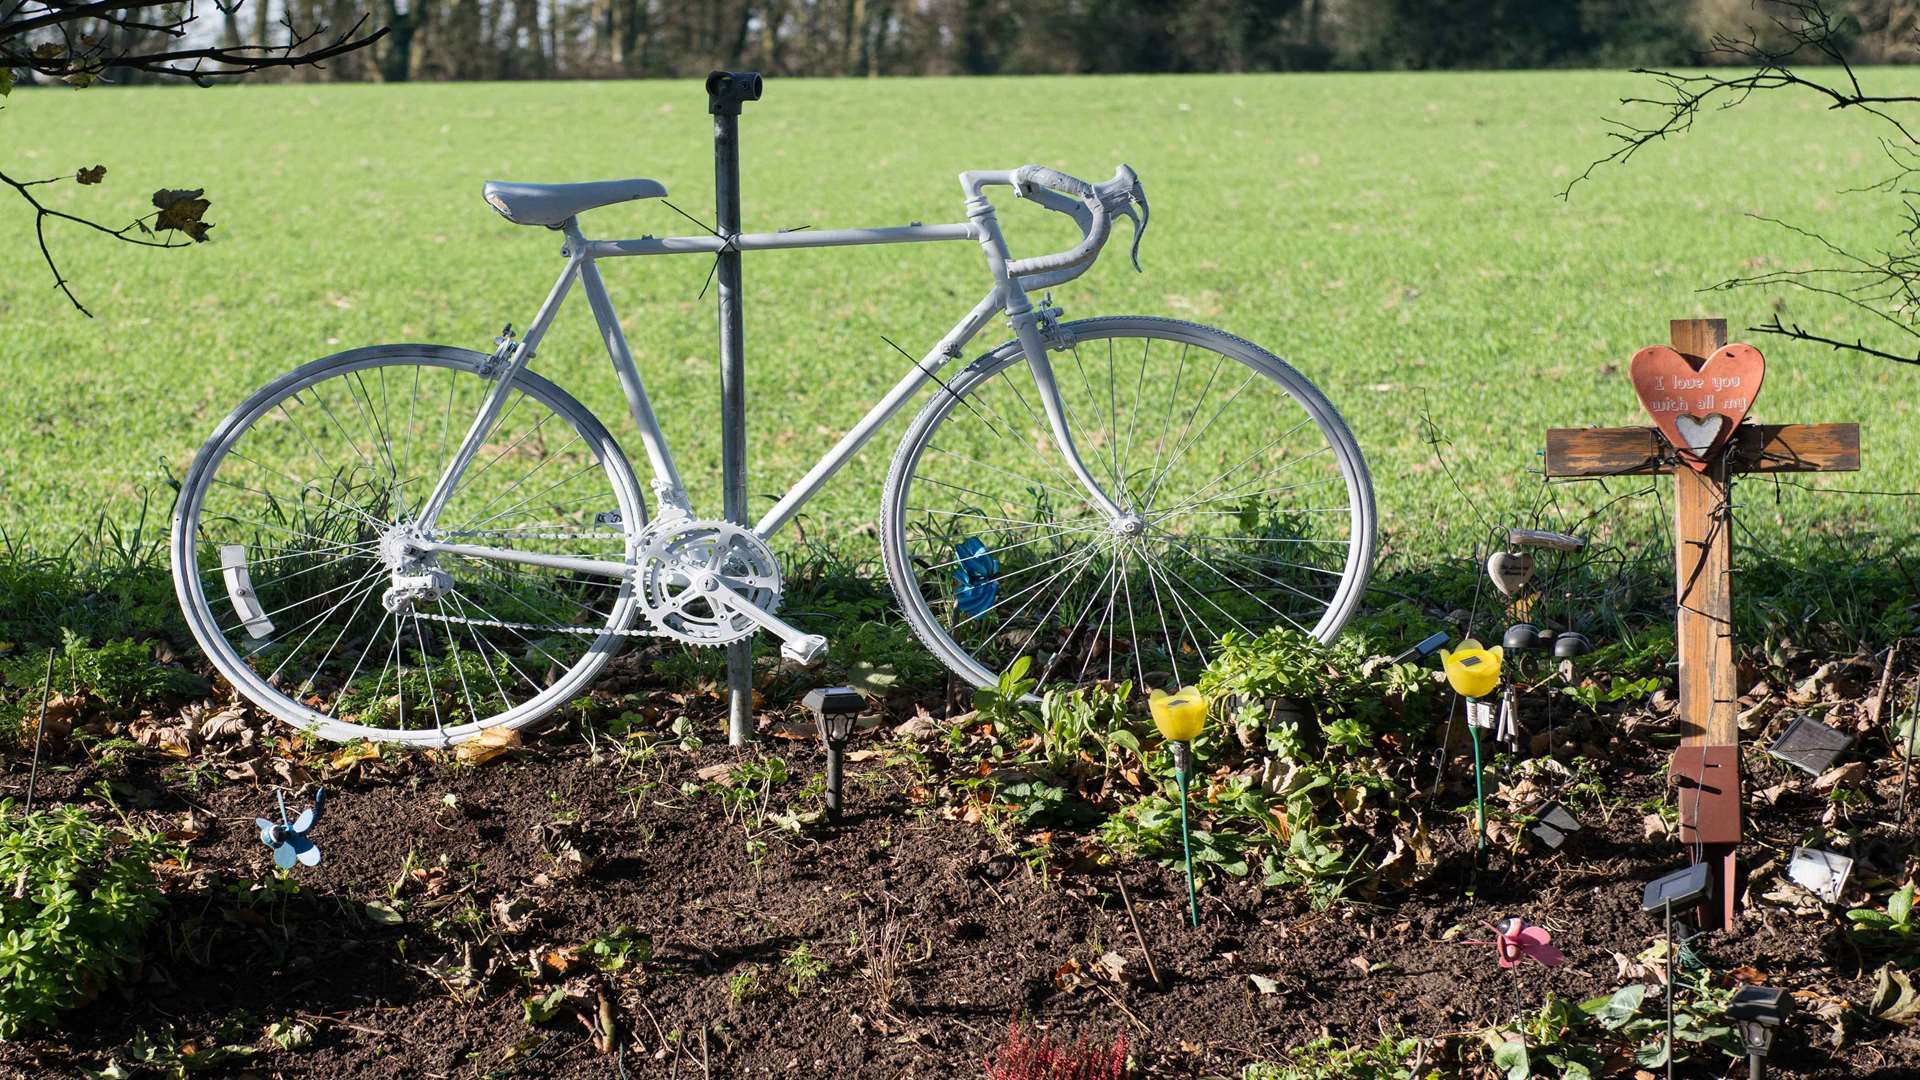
(297, 562)
(1256, 507)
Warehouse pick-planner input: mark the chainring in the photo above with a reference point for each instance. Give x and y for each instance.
(674, 557)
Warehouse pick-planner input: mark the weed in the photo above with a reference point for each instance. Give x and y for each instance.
(1592, 695)
(742, 986)
(1895, 927)
(76, 898)
(803, 969)
(617, 948)
(1394, 1057)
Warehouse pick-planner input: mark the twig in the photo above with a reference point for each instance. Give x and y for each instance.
(39, 733)
(1138, 937)
(1122, 1006)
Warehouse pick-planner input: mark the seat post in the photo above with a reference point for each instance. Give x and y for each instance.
(726, 92)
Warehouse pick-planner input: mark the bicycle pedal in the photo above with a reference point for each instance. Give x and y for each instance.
(804, 650)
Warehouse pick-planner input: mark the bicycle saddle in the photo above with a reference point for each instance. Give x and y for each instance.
(551, 204)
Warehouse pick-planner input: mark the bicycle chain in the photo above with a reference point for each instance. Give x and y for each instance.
(501, 624)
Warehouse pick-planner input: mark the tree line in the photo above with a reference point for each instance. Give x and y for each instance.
(533, 39)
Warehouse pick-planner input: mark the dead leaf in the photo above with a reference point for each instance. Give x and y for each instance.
(181, 211)
(173, 739)
(1853, 772)
(229, 724)
(92, 175)
(1264, 984)
(717, 774)
(1069, 977)
(351, 755)
(486, 746)
(1894, 999)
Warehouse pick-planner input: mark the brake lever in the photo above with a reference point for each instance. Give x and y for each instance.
(1137, 196)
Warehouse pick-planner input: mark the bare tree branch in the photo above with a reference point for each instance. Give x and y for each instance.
(1884, 284)
(74, 42)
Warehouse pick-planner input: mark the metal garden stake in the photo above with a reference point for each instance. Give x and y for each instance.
(1180, 718)
(834, 708)
(726, 92)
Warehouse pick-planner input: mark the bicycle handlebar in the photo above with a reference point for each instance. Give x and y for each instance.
(1090, 205)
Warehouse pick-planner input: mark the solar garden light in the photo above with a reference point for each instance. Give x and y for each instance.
(1473, 671)
(1685, 889)
(834, 710)
(1180, 716)
(1758, 1010)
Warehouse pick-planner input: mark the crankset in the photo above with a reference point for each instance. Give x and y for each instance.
(713, 583)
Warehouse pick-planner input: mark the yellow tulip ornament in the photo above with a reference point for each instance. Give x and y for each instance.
(1474, 671)
(1181, 717)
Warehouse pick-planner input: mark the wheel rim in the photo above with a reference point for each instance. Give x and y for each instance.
(1251, 508)
(298, 519)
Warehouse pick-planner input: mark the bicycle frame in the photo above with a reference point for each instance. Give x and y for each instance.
(583, 255)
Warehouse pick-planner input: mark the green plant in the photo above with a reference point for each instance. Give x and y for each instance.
(1896, 926)
(617, 948)
(1592, 695)
(803, 969)
(76, 898)
(742, 986)
(122, 672)
(1574, 1042)
(1394, 1057)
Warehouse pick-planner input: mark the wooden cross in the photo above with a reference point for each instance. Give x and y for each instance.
(1707, 765)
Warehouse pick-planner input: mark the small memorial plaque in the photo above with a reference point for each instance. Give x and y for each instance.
(1554, 825)
(1822, 873)
(1809, 745)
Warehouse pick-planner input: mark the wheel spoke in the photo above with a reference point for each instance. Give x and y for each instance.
(1036, 583)
(321, 552)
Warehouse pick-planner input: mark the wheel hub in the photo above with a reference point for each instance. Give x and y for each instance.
(416, 578)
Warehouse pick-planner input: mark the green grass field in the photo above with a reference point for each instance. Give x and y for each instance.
(1396, 236)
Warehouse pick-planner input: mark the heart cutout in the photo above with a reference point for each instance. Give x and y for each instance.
(1510, 571)
(1698, 409)
(1699, 433)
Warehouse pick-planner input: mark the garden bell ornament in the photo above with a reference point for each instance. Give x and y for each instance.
(1571, 644)
(1180, 718)
(1510, 571)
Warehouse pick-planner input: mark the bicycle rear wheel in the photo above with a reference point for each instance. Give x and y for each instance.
(293, 562)
(1257, 508)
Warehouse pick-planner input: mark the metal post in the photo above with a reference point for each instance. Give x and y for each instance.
(726, 90)
(833, 782)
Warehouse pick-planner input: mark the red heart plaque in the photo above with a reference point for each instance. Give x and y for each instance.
(1697, 409)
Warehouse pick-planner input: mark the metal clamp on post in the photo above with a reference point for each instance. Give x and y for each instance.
(727, 90)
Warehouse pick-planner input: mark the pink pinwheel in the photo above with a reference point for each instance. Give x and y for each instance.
(1519, 939)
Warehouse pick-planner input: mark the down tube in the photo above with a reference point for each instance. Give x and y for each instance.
(903, 391)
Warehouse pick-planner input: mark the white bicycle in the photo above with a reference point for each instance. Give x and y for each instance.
(415, 543)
